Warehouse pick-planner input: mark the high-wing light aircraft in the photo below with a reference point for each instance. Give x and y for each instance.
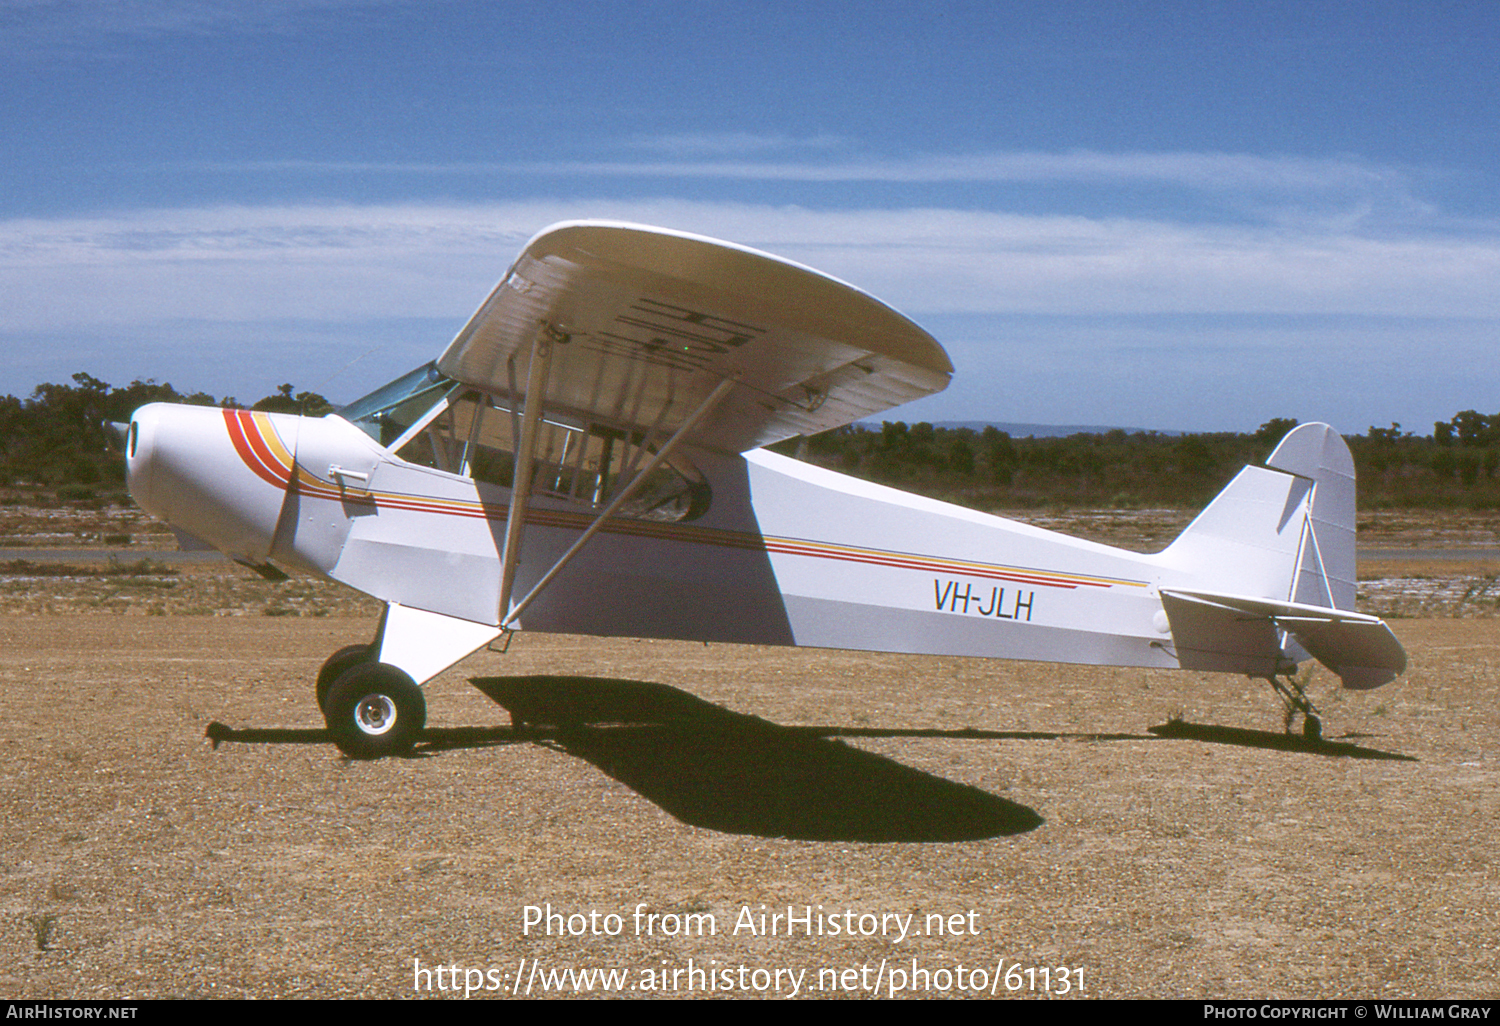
(586, 457)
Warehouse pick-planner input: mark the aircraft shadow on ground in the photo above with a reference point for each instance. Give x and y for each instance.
(1180, 730)
(736, 773)
(727, 771)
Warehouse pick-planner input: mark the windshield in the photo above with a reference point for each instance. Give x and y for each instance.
(387, 412)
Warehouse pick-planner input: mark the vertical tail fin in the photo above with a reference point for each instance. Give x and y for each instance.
(1283, 532)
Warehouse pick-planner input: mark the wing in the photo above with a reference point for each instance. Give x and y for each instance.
(645, 323)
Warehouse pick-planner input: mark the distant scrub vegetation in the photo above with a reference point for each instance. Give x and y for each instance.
(1455, 467)
(55, 443)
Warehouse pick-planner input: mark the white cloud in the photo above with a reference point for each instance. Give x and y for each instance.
(699, 144)
(346, 263)
(1210, 172)
(95, 26)
(237, 299)
(1203, 172)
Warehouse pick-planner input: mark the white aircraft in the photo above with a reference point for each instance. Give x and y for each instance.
(585, 457)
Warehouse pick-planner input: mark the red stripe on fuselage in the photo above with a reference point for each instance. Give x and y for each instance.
(255, 433)
(252, 448)
(900, 562)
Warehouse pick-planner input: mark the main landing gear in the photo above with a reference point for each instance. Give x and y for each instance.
(372, 709)
(1294, 698)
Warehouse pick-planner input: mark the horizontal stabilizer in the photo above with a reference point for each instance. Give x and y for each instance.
(1359, 648)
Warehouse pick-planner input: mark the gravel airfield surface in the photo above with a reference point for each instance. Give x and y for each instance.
(174, 822)
(680, 819)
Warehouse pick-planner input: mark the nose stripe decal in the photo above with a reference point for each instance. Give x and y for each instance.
(248, 436)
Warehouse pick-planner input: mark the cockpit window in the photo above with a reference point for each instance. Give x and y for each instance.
(389, 411)
(435, 422)
(575, 459)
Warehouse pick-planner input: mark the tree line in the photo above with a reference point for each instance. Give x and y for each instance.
(1458, 466)
(57, 442)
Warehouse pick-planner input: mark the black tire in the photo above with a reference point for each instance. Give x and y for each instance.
(1312, 728)
(338, 664)
(375, 710)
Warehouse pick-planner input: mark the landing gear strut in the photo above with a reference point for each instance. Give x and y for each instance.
(1294, 697)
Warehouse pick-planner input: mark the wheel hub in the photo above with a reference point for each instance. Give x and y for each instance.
(375, 714)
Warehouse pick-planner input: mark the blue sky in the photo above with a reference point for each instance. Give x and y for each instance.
(1173, 215)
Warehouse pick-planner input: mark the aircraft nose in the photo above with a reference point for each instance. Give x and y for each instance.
(218, 475)
(138, 457)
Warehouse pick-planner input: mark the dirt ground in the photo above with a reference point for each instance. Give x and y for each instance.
(174, 823)
(1023, 816)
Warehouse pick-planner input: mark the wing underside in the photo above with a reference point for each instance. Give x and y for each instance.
(643, 324)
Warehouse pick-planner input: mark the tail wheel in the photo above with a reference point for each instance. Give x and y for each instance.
(342, 661)
(374, 710)
(1294, 699)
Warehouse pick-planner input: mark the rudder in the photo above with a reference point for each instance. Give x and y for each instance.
(1326, 568)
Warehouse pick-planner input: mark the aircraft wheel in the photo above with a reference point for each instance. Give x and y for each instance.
(1312, 728)
(375, 710)
(345, 659)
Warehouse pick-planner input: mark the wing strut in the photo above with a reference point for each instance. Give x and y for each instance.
(619, 500)
(520, 493)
